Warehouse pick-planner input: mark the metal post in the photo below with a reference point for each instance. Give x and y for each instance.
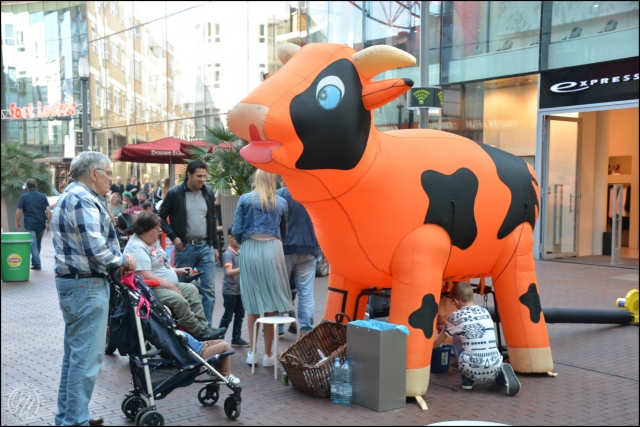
(424, 58)
(85, 123)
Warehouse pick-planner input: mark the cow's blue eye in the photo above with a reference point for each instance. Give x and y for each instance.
(329, 92)
(329, 97)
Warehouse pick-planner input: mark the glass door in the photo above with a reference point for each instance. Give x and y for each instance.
(560, 195)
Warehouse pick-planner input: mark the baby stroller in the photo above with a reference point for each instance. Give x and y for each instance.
(125, 222)
(138, 308)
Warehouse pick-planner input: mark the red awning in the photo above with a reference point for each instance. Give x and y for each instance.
(184, 145)
(165, 151)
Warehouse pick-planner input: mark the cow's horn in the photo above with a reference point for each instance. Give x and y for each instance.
(376, 59)
(286, 51)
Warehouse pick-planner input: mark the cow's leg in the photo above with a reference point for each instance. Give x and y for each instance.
(341, 297)
(516, 288)
(417, 267)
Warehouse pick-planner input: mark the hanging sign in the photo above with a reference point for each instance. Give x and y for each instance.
(592, 84)
(42, 111)
(425, 97)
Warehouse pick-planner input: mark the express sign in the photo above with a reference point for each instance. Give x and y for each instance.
(594, 84)
(42, 111)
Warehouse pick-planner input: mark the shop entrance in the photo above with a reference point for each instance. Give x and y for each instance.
(584, 153)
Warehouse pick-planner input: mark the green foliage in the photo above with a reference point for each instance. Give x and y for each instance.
(227, 168)
(18, 165)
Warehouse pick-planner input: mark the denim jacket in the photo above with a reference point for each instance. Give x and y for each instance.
(251, 219)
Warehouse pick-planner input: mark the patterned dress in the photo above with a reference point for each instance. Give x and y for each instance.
(480, 359)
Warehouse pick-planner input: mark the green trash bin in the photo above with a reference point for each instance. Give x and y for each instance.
(16, 256)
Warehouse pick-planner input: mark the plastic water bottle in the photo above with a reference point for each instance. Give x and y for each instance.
(336, 379)
(346, 390)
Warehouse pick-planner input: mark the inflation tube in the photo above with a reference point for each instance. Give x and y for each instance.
(579, 315)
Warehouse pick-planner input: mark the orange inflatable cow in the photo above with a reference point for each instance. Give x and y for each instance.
(403, 209)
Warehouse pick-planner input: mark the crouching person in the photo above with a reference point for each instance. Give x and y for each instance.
(153, 264)
(474, 341)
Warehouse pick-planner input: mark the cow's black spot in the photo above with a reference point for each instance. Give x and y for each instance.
(451, 204)
(531, 300)
(337, 138)
(423, 317)
(513, 172)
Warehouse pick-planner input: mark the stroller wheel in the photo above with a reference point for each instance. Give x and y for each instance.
(151, 418)
(231, 408)
(209, 394)
(132, 405)
(139, 415)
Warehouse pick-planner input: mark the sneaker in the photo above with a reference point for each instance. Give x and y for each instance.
(513, 384)
(36, 268)
(467, 383)
(230, 378)
(250, 358)
(268, 361)
(211, 334)
(293, 328)
(239, 343)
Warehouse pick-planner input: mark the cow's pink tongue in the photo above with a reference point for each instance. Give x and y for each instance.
(258, 150)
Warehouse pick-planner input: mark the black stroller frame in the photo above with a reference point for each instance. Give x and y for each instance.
(134, 405)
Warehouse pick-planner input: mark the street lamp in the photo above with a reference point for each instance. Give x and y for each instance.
(83, 73)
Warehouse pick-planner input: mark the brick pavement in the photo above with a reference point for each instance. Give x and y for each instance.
(597, 367)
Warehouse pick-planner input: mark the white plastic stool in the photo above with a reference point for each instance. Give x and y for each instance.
(275, 321)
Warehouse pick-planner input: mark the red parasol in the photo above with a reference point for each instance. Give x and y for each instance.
(185, 145)
(165, 150)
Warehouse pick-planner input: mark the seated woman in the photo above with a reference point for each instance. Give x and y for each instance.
(153, 264)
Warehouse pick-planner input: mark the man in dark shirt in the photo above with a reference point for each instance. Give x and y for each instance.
(133, 187)
(118, 187)
(37, 217)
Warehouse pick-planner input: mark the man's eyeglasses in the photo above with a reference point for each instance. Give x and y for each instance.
(109, 173)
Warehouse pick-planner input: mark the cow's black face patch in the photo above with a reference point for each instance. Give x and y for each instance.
(423, 317)
(451, 204)
(531, 300)
(514, 173)
(330, 119)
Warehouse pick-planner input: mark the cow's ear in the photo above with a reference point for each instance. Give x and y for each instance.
(377, 94)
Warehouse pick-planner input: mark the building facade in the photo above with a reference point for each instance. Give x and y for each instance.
(512, 74)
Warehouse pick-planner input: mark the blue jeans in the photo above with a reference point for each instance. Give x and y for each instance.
(36, 246)
(203, 259)
(85, 307)
(233, 306)
(303, 269)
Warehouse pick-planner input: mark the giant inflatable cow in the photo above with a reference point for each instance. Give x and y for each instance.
(405, 209)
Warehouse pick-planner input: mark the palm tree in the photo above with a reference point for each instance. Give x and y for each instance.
(227, 168)
(18, 165)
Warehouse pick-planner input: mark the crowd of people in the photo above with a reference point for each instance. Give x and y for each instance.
(270, 252)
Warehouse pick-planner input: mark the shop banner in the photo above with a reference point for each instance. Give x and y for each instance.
(590, 84)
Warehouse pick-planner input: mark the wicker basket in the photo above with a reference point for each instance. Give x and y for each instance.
(302, 363)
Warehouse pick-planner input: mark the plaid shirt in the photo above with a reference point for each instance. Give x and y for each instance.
(83, 236)
(135, 209)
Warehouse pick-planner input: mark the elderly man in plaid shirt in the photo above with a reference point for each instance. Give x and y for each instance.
(86, 249)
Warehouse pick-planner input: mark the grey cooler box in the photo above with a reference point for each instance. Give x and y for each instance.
(379, 362)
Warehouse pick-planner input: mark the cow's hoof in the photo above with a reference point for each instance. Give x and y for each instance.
(530, 360)
(418, 381)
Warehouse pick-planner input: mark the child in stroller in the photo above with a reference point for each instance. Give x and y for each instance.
(137, 308)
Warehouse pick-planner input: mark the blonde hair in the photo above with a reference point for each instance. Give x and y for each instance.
(264, 183)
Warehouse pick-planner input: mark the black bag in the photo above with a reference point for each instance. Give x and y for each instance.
(122, 327)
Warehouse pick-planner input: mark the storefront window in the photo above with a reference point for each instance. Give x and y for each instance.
(487, 39)
(501, 113)
(584, 32)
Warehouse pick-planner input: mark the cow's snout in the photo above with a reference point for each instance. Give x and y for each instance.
(247, 121)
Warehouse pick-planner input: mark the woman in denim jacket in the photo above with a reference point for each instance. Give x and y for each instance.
(260, 225)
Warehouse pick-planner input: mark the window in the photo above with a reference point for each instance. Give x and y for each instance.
(261, 38)
(114, 8)
(207, 75)
(136, 33)
(209, 32)
(217, 33)
(8, 34)
(138, 109)
(98, 94)
(116, 100)
(216, 80)
(217, 65)
(105, 49)
(130, 109)
(107, 95)
(94, 36)
(115, 51)
(136, 69)
(122, 16)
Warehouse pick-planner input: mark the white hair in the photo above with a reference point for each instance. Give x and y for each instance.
(81, 166)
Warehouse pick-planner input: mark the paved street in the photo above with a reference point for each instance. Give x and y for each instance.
(597, 366)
